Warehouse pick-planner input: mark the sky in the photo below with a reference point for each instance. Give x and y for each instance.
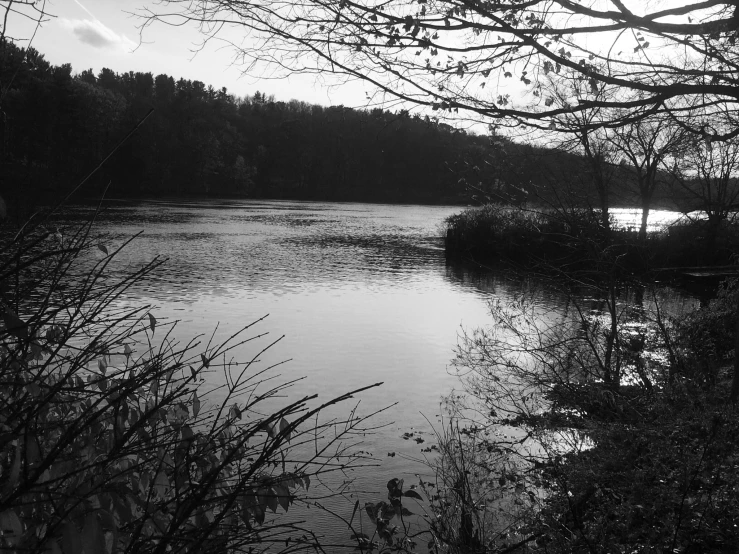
(92, 34)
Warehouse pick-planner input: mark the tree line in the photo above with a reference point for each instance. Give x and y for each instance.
(205, 141)
(650, 89)
(202, 141)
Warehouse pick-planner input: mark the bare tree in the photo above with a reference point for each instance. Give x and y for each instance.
(29, 10)
(578, 132)
(489, 59)
(708, 174)
(33, 10)
(647, 146)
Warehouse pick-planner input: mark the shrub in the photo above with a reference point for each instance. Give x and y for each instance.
(631, 458)
(112, 439)
(492, 229)
(707, 335)
(572, 238)
(497, 231)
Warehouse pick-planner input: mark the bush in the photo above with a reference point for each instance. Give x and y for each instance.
(112, 439)
(492, 229)
(631, 457)
(707, 335)
(572, 238)
(496, 231)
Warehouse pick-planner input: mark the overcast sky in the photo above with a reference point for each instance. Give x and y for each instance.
(92, 34)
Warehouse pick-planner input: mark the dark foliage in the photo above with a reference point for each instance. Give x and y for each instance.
(707, 335)
(570, 239)
(632, 451)
(115, 437)
(203, 141)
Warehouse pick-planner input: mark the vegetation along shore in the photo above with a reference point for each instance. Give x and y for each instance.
(603, 421)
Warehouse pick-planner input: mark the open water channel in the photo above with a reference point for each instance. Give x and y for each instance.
(361, 292)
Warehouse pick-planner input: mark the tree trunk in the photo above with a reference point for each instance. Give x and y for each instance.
(646, 205)
(604, 211)
(714, 225)
(735, 378)
(611, 361)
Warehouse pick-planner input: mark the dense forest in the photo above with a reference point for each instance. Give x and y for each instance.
(56, 125)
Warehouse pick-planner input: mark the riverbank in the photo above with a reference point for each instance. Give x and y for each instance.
(611, 429)
(229, 265)
(574, 239)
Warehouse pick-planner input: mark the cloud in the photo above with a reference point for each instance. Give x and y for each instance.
(97, 35)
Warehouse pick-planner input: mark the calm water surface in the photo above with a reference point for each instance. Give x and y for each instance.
(361, 292)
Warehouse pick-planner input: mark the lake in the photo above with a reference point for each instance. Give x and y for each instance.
(361, 292)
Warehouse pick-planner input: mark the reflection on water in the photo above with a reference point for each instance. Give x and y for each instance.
(658, 219)
(361, 292)
(280, 247)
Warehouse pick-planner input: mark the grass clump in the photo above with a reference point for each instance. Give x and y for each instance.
(499, 232)
(492, 230)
